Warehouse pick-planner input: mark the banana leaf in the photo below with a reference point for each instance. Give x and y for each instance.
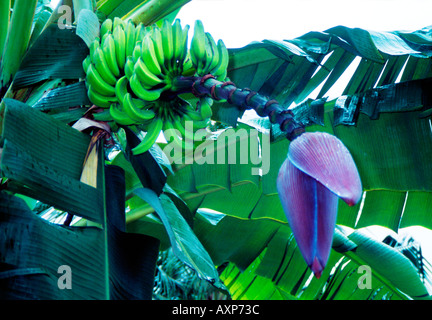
(57, 53)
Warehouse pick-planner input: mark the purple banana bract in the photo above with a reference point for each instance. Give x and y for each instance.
(318, 170)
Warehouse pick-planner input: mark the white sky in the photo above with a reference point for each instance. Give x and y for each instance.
(239, 22)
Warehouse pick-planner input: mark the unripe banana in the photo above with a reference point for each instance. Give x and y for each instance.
(121, 89)
(141, 92)
(86, 63)
(146, 77)
(198, 46)
(177, 42)
(196, 119)
(98, 99)
(136, 54)
(153, 131)
(212, 53)
(120, 116)
(101, 65)
(100, 85)
(120, 46)
(220, 70)
(140, 31)
(134, 112)
(181, 127)
(204, 108)
(148, 54)
(167, 43)
(106, 27)
(108, 47)
(170, 131)
(130, 38)
(184, 44)
(129, 67)
(156, 36)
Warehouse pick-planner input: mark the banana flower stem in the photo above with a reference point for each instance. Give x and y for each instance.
(243, 98)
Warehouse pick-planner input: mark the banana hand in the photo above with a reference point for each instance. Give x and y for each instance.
(141, 92)
(120, 116)
(106, 27)
(134, 112)
(99, 100)
(98, 83)
(146, 77)
(167, 42)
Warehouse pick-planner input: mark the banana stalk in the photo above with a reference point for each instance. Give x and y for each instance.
(17, 40)
(4, 23)
(244, 98)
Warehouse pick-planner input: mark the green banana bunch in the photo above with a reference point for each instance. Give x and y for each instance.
(207, 56)
(130, 68)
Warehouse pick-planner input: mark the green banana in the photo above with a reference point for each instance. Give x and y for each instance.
(129, 67)
(150, 138)
(212, 53)
(141, 92)
(120, 45)
(120, 116)
(134, 112)
(95, 44)
(205, 109)
(181, 127)
(136, 54)
(147, 78)
(101, 66)
(121, 88)
(119, 22)
(167, 42)
(106, 27)
(86, 63)
(108, 47)
(198, 46)
(196, 119)
(220, 70)
(130, 38)
(156, 36)
(184, 44)
(140, 32)
(148, 54)
(188, 68)
(98, 99)
(100, 85)
(170, 131)
(177, 41)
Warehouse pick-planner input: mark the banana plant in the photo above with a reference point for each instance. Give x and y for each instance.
(130, 74)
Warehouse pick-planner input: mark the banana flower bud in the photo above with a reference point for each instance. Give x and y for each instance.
(318, 170)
